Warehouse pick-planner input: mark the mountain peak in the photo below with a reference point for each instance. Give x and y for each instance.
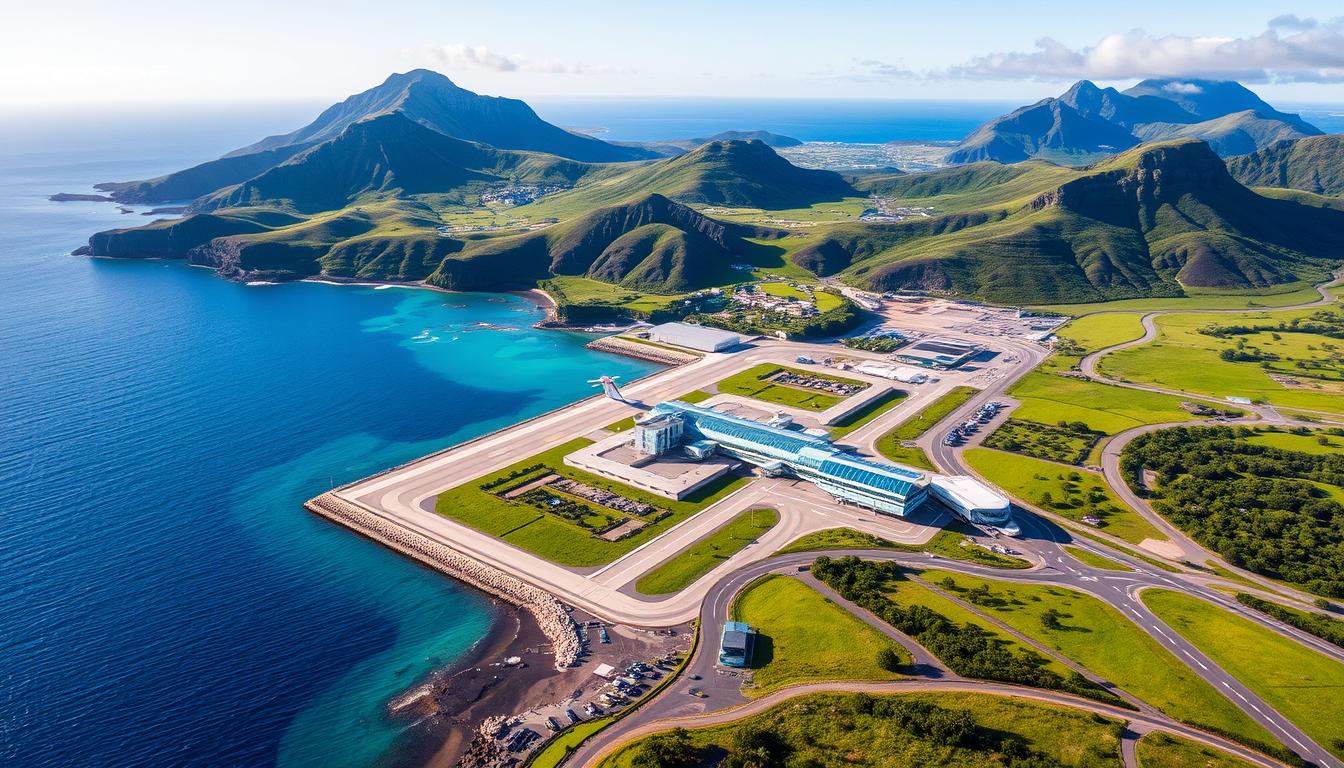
(434, 101)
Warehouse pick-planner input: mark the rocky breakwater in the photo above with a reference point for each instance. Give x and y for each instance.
(551, 615)
(623, 346)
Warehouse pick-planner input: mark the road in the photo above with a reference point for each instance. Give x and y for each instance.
(723, 700)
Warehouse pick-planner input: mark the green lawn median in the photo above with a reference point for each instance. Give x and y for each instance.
(889, 445)
(1305, 686)
(701, 557)
(1066, 490)
(1095, 635)
(754, 383)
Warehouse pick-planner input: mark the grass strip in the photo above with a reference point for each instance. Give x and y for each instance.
(1101, 639)
(889, 445)
(1306, 686)
(702, 556)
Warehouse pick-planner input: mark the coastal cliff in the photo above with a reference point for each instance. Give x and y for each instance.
(551, 615)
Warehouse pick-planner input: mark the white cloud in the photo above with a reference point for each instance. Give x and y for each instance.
(459, 56)
(1291, 49)
(1184, 88)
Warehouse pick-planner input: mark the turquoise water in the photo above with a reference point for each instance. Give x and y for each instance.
(166, 600)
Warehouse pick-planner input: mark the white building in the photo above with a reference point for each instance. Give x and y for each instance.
(694, 337)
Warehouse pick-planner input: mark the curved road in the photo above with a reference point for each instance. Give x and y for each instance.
(721, 689)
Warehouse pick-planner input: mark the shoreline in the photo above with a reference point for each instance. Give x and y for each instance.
(450, 705)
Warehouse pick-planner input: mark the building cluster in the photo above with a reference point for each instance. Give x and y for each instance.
(749, 297)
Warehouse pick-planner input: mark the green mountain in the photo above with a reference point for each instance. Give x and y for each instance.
(422, 96)
(1087, 121)
(435, 102)
(1049, 127)
(650, 244)
(1236, 134)
(1314, 164)
(738, 174)
(1151, 221)
(389, 156)
(200, 180)
(1207, 99)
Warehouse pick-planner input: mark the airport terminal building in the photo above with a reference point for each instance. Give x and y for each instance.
(776, 450)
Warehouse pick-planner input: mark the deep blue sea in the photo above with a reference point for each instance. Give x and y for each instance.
(164, 598)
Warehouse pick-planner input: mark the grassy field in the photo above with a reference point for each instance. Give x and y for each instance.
(1097, 636)
(833, 730)
(1301, 443)
(750, 383)
(1307, 687)
(581, 290)
(551, 536)
(1048, 399)
(1160, 750)
(1089, 557)
(803, 637)
(827, 212)
(701, 557)
(889, 445)
(867, 413)
(1093, 332)
(1062, 489)
(1295, 294)
(1069, 443)
(1182, 358)
(945, 543)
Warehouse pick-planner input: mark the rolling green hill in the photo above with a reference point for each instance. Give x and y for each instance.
(651, 244)
(387, 156)
(200, 180)
(1149, 222)
(1314, 164)
(1236, 134)
(738, 174)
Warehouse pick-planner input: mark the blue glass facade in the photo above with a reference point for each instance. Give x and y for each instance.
(882, 487)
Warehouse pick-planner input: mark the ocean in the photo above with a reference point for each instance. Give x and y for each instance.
(166, 600)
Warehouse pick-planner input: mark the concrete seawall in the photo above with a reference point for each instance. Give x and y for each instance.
(550, 614)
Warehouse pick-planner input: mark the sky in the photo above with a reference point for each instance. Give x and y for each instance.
(78, 52)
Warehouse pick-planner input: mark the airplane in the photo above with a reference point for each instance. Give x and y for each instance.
(608, 384)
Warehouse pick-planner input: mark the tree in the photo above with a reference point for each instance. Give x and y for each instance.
(888, 659)
(756, 748)
(667, 750)
(1050, 619)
